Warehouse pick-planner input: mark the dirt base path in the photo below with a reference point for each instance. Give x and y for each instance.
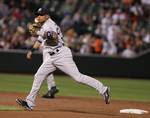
(70, 107)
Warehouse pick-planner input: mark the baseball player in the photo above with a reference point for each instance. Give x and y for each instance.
(56, 55)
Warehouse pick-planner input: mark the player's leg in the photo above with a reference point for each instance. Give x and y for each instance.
(50, 81)
(67, 65)
(39, 77)
(52, 89)
(72, 70)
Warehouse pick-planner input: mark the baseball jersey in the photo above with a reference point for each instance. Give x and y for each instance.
(50, 25)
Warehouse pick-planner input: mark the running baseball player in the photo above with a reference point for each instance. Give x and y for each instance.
(56, 55)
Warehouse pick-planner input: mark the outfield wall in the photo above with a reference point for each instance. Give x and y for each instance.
(16, 62)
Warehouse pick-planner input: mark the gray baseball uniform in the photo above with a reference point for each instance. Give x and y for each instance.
(59, 57)
(50, 77)
(50, 81)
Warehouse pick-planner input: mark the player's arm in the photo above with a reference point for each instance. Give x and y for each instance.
(35, 47)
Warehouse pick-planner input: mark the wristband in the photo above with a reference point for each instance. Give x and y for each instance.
(33, 49)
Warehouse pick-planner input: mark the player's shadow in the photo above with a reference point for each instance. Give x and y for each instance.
(77, 111)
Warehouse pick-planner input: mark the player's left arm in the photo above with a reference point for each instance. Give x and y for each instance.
(35, 47)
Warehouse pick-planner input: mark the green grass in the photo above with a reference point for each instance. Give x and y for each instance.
(9, 108)
(121, 89)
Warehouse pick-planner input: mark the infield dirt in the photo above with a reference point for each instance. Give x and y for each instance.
(71, 107)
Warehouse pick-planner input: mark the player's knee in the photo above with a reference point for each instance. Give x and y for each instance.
(39, 75)
(78, 77)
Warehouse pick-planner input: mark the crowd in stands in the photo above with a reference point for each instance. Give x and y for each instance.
(103, 27)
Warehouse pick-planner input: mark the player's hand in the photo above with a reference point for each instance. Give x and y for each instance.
(29, 55)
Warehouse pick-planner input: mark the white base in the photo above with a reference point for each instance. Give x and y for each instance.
(133, 111)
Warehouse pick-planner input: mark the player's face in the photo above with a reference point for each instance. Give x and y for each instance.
(41, 19)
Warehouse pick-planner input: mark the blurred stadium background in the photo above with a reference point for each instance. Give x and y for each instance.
(112, 37)
(103, 27)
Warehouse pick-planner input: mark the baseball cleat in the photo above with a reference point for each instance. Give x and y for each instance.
(51, 93)
(107, 96)
(24, 104)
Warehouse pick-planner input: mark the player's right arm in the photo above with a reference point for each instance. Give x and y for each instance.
(35, 47)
